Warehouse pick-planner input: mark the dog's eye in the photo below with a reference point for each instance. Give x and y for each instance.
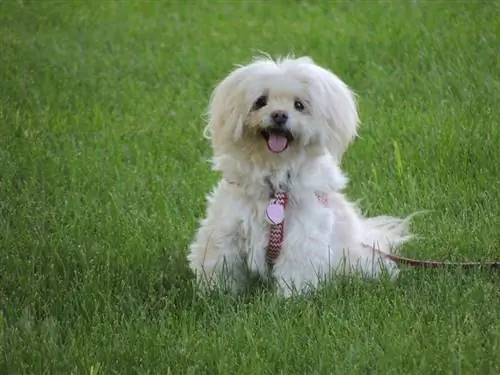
(299, 106)
(260, 102)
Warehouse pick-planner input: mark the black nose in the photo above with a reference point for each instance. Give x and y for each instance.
(279, 117)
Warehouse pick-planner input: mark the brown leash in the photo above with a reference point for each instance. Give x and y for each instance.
(433, 263)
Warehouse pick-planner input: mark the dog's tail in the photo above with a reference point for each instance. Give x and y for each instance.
(387, 233)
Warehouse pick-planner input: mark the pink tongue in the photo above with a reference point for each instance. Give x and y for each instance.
(277, 143)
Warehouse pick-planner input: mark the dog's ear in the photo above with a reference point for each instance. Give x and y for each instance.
(226, 112)
(337, 108)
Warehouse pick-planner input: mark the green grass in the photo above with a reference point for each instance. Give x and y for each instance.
(103, 175)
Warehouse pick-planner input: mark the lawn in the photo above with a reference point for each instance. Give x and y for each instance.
(103, 176)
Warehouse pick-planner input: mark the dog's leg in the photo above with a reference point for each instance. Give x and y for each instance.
(215, 259)
(296, 274)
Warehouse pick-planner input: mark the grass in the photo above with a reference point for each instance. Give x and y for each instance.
(103, 175)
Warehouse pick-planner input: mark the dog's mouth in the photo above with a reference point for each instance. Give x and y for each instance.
(277, 139)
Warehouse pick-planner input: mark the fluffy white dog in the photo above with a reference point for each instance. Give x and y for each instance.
(278, 131)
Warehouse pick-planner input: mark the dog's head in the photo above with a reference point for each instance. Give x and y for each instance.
(278, 108)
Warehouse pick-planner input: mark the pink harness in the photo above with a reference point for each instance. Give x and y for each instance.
(275, 214)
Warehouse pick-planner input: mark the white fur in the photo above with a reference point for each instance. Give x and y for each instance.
(319, 241)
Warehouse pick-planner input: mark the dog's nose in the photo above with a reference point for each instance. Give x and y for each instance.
(279, 117)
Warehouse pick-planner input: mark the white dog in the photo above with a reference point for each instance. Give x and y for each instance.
(278, 131)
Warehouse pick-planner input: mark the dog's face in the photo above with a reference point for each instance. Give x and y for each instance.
(280, 116)
(281, 108)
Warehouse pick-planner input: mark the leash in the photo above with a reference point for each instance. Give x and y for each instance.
(275, 215)
(418, 263)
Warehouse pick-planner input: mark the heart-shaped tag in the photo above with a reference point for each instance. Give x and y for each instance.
(275, 213)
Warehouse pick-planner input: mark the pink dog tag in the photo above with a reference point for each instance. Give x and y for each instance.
(275, 213)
